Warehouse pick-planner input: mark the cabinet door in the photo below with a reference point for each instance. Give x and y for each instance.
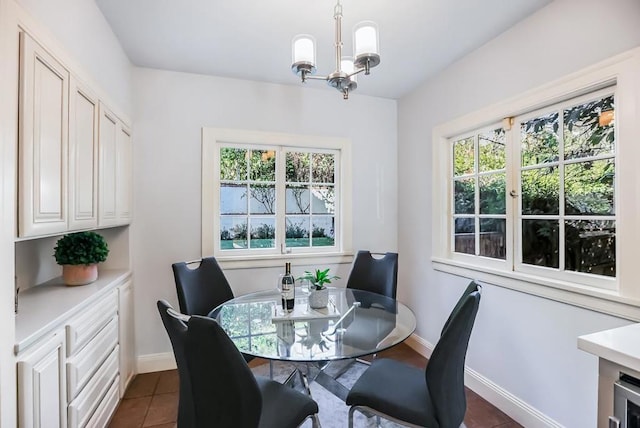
(124, 176)
(107, 143)
(43, 125)
(83, 158)
(41, 386)
(126, 339)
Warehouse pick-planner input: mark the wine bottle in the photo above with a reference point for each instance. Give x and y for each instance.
(288, 289)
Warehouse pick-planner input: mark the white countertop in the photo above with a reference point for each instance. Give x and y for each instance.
(45, 307)
(619, 345)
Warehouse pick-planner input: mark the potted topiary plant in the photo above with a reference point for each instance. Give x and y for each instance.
(79, 254)
(318, 293)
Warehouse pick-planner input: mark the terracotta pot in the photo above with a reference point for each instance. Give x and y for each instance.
(79, 274)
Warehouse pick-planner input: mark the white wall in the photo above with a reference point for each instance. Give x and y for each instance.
(522, 343)
(80, 27)
(170, 110)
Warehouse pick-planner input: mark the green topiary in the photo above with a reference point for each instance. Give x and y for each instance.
(81, 248)
(318, 278)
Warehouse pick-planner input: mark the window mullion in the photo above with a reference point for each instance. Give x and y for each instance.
(561, 201)
(508, 209)
(476, 149)
(516, 201)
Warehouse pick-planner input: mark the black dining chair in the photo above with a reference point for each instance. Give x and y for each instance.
(201, 289)
(177, 331)
(224, 391)
(473, 286)
(378, 275)
(433, 397)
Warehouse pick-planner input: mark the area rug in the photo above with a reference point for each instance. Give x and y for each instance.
(333, 412)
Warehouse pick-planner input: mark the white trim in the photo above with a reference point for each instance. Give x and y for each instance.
(514, 407)
(599, 300)
(213, 138)
(155, 362)
(276, 260)
(623, 302)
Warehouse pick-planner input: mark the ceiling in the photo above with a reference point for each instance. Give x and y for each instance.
(251, 39)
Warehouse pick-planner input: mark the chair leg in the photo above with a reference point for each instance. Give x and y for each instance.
(351, 412)
(315, 421)
(271, 369)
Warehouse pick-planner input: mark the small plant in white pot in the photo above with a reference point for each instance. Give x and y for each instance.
(79, 254)
(318, 293)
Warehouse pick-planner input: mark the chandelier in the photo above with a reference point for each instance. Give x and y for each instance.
(344, 78)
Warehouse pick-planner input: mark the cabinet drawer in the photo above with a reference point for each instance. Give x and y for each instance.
(84, 364)
(81, 329)
(82, 408)
(107, 407)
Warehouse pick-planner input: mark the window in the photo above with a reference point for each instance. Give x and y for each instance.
(567, 190)
(563, 161)
(538, 193)
(267, 194)
(479, 205)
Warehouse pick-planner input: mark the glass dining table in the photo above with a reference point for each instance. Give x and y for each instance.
(354, 324)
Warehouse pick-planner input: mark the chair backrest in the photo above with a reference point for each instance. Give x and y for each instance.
(225, 391)
(445, 370)
(473, 286)
(201, 289)
(375, 275)
(177, 331)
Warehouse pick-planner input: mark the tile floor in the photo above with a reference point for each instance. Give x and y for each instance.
(152, 399)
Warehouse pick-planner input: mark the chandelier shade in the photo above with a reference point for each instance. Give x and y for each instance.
(304, 50)
(365, 44)
(366, 49)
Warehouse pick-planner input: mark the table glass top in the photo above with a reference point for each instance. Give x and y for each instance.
(354, 324)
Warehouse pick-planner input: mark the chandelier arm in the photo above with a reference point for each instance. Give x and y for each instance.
(356, 71)
(315, 77)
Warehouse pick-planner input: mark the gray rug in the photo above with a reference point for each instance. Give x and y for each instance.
(333, 412)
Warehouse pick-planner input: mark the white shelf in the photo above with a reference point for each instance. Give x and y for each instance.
(45, 307)
(619, 345)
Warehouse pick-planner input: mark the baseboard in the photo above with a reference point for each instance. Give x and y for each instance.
(513, 406)
(155, 362)
(420, 345)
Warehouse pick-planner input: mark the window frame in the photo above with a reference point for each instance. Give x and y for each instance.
(620, 71)
(494, 263)
(597, 281)
(215, 138)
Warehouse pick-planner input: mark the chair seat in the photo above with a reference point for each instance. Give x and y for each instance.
(396, 389)
(282, 406)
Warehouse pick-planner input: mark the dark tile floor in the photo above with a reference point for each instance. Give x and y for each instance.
(152, 399)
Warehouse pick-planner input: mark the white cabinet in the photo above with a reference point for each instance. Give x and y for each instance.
(115, 170)
(43, 125)
(107, 170)
(42, 388)
(83, 157)
(124, 175)
(126, 336)
(69, 369)
(75, 166)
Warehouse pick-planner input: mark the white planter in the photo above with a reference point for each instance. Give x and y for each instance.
(318, 299)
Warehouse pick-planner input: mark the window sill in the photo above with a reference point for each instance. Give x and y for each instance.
(604, 301)
(276, 260)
